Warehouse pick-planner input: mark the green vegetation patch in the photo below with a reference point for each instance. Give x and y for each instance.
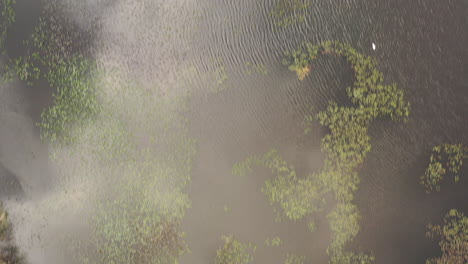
(445, 157)
(234, 252)
(454, 239)
(296, 197)
(368, 91)
(273, 242)
(55, 56)
(346, 146)
(289, 12)
(75, 100)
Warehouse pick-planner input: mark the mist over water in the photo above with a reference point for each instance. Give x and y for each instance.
(213, 69)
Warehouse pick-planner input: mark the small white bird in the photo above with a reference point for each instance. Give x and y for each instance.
(373, 46)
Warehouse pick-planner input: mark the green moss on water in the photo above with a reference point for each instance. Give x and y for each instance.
(234, 252)
(54, 56)
(444, 158)
(294, 196)
(346, 146)
(75, 100)
(454, 238)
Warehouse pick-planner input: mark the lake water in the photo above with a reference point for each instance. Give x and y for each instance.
(420, 45)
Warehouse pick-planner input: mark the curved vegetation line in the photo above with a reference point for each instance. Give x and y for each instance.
(346, 147)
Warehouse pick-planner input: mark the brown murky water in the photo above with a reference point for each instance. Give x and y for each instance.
(420, 45)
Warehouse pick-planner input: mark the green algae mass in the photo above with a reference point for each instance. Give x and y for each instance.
(234, 252)
(289, 12)
(454, 238)
(346, 146)
(445, 157)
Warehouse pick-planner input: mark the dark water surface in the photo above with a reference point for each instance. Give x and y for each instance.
(421, 45)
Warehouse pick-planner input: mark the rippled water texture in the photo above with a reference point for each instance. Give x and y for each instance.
(243, 101)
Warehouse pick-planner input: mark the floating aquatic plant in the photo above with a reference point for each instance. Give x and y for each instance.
(273, 242)
(75, 100)
(444, 158)
(454, 238)
(294, 259)
(234, 252)
(346, 147)
(7, 19)
(369, 92)
(296, 197)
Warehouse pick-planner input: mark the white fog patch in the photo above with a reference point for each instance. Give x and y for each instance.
(139, 42)
(148, 41)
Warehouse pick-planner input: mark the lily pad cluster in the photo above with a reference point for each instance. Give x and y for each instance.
(57, 57)
(444, 158)
(296, 197)
(454, 238)
(289, 12)
(346, 146)
(369, 92)
(234, 252)
(9, 252)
